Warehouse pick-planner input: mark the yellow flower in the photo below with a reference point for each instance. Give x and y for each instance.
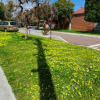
(80, 94)
(31, 73)
(73, 80)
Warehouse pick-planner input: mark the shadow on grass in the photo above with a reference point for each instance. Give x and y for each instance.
(47, 91)
(28, 38)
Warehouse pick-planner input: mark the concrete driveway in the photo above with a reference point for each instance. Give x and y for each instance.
(91, 41)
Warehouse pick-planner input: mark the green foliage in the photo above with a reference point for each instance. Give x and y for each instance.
(62, 1)
(64, 9)
(45, 31)
(10, 6)
(92, 10)
(9, 9)
(2, 10)
(35, 22)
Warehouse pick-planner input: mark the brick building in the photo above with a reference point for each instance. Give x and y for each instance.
(78, 22)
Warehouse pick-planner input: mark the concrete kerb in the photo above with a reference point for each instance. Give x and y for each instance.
(5, 89)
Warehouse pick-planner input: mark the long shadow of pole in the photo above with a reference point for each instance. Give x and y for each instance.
(45, 81)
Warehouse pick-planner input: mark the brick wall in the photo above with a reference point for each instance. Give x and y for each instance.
(78, 23)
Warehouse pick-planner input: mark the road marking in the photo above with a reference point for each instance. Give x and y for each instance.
(62, 39)
(94, 45)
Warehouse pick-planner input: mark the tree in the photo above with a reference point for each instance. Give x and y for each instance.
(9, 10)
(20, 7)
(21, 17)
(62, 1)
(92, 10)
(64, 9)
(41, 10)
(44, 12)
(2, 11)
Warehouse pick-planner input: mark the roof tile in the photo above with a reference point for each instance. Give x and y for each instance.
(79, 11)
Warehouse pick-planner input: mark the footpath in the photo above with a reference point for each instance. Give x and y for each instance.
(5, 89)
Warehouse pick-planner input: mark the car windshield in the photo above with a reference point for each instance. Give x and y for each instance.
(13, 23)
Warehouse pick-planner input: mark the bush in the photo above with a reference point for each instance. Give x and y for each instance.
(45, 31)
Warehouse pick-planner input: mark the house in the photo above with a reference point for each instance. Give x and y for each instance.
(78, 22)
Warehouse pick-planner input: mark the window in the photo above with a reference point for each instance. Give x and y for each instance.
(1, 23)
(13, 23)
(5, 23)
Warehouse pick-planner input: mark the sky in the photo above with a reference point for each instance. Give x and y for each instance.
(78, 3)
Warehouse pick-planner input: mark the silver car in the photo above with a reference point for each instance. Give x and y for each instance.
(8, 26)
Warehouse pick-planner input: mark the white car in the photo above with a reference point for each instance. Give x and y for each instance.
(32, 26)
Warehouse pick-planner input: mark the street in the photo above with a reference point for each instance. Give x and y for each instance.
(91, 41)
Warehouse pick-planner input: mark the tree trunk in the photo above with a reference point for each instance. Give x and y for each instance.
(58, 25)
(26, 31)
(63, 25)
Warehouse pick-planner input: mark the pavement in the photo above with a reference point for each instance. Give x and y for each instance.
(5, 89)
(91, 41)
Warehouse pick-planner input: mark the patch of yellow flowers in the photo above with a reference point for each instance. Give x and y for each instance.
(4, 37)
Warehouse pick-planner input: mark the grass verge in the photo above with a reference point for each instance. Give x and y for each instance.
(77, 31)
(42, 69)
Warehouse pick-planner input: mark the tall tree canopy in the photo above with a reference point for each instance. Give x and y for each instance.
(9, 10)
(92, 10)
(44, 11)
(65, 8)
(62, 1)
(28, 13)
(2, 11)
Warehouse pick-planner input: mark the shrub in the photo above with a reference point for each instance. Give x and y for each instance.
(45, 31)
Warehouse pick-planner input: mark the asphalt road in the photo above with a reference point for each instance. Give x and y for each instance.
(91, 41)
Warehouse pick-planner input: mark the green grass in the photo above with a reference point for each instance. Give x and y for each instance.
(41, 69)
(77, 31)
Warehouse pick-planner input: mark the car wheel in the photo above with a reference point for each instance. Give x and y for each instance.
(5, 30)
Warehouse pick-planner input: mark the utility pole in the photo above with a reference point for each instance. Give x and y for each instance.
(70, 18)
(51, 24)
(70, 21)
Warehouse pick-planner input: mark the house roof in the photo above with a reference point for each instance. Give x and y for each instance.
(80, 11)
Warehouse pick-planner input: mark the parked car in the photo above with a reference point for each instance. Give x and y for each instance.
(19, 26)
(32, 26)
(8, 26)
